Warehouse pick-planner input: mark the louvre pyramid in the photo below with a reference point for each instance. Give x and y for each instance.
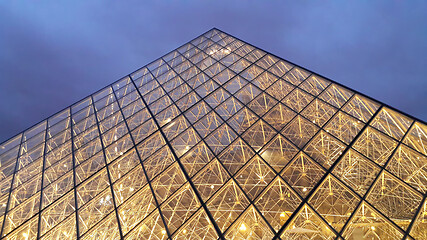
(218, 139)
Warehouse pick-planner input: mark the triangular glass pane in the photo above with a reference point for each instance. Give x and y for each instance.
(236, 155)
(410, 166)
(228, 108)
(240, 65)
(95, 210)
(334, 202)
(369, 224)
(303, 174)
(280, 68)
(278, 152)
(419, 230)
(300, 131)
(249, 226)
(242, 120)
(198, 227)
(217, 98)
(228, 197)
(417, 137)
(319, 112)
(262, 104)
(247, 93)
(151, 228)
(255, 55)
(280, 89)
(254, 177)
(297, 100)
(129, 184)
(196, 158)
(179, 207)
(224, 76)
(277, 203)
(259, 135)
(279, 116)
(267, 61)
(394, 199)
(221, 138)
(375, 145)
(197, 112)
(314, 85)
(168, 182)
(356, 171)
(210, 179)
(185, 141)
(251, 72)
(392, 123)
(208, 124)
(308, 225)
(158, 161)
(136, 209)
(264, 80)
(325, 149)
(296, 76)
(344, 127)
(336, 95)
(108, 228)
(361, 108)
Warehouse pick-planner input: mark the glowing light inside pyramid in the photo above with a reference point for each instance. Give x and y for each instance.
(218, 139)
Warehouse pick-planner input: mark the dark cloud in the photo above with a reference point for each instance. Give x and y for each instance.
(53, 54)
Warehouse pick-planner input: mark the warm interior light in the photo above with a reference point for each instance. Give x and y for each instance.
(212, 186)
(184, 231)
(304, 189)
(283, 214)
(163, 232)
(242, 227)
(373, 228)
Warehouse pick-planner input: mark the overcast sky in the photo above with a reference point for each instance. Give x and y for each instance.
(54, 53)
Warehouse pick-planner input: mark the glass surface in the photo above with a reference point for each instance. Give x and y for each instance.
(218, 140)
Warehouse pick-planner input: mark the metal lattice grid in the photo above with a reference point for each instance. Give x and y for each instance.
(218, 139)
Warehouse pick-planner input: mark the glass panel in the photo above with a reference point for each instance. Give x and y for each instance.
(375, 145)
(410, 166)
(300, 131)
(356, 171)
(392, 123)
(278, 152)
(277, 203)
(417, 137)
(198, 227)
(254, 177)
(328, 196)
(236, 155)
(250, 225)
(394, 199)
(229, 197)
(308, 225)
(303, 174)
(344, 127)
(368, 223)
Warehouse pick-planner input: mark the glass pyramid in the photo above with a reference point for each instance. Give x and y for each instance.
(218, 139)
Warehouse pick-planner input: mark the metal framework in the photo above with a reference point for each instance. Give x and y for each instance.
(218, 139)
